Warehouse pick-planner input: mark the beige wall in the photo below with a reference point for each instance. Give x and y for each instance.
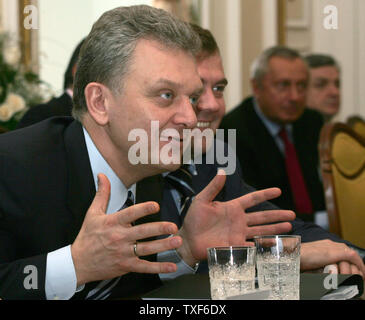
(228, 36)
(9, 16)
(252, 39)
(305, 32)
(242, 31)
(243, 28)
(236, 25)
(61, 29)
(347, 45)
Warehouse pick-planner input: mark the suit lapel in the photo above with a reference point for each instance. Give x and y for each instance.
(80, 194)
(263, 140)
(80, 189)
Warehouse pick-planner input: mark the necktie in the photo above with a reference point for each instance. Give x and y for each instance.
(181, 180)
(104, 288)
(302, 201)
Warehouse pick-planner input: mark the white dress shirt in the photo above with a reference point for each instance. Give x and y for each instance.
(274, 128)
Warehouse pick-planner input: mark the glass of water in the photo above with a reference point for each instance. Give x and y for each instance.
(231, 271)
(278, 265)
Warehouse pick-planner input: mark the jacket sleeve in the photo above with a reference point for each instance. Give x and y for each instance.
(21, 279)
(308, 231)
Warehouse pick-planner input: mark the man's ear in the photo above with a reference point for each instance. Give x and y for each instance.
(255, 87)
(97, 96)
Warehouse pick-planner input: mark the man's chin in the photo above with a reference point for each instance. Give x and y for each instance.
(331, 110)
(161, 168)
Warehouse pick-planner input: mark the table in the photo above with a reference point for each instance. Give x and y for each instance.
(197, 287)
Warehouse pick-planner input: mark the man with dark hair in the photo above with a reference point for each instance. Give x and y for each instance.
(319, 247)
(60, 106)
(324, 93)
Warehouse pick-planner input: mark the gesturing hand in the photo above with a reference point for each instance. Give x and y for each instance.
(211, 223)
(104, 247)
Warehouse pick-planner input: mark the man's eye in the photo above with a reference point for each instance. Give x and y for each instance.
(166, 95)
(320, 84)
(282, 85)
(194, 100)
(302, 86)
(219, 89)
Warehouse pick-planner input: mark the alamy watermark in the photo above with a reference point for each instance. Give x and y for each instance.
(31, 17)
(330, 22)
(164, 147)
(31, 280)
(330, 281)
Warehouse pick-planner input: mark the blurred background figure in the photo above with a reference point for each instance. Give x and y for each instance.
(59, 106)
(324, 85)
(277, 136)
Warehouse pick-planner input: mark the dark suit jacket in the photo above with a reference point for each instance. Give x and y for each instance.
(263, 164)
(46, 187)
(57, 107)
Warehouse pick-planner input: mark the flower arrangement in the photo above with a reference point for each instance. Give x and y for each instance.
(19, 89)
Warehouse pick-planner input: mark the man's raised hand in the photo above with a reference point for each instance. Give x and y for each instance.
(104, 247)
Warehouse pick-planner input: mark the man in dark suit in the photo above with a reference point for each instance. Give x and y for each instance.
(59, 106)
(320, 247)
(276, 133)
(69, 228)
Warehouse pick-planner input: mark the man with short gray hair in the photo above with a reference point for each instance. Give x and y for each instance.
(277, 136)
(69, 187)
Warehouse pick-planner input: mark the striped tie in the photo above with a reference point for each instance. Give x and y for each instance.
(104, 289)
(181, 180)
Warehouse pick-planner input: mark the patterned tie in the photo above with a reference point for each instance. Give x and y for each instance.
(104, 288)
(303, 203)
(181, 180)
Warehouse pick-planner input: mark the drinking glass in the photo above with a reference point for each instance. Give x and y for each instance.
(231, 271)
(278, 265)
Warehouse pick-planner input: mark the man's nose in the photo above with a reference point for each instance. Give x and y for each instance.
(334, 89)
(208, 102)
(294, 93)
(186, 116)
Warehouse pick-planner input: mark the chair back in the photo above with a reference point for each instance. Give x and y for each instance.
(357, 124)
(342, 160)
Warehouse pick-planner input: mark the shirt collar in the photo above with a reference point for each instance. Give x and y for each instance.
(273, 127)
(118, 192)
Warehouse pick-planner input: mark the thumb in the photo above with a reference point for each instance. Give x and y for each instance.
(101, 199)
(214, 187)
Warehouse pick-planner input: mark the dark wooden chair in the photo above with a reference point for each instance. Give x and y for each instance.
(342, 160)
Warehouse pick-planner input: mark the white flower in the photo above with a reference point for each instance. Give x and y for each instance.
(12, 55)
(13, 104)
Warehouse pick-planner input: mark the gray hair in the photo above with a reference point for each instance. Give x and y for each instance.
(107, 52)
(261, 64)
